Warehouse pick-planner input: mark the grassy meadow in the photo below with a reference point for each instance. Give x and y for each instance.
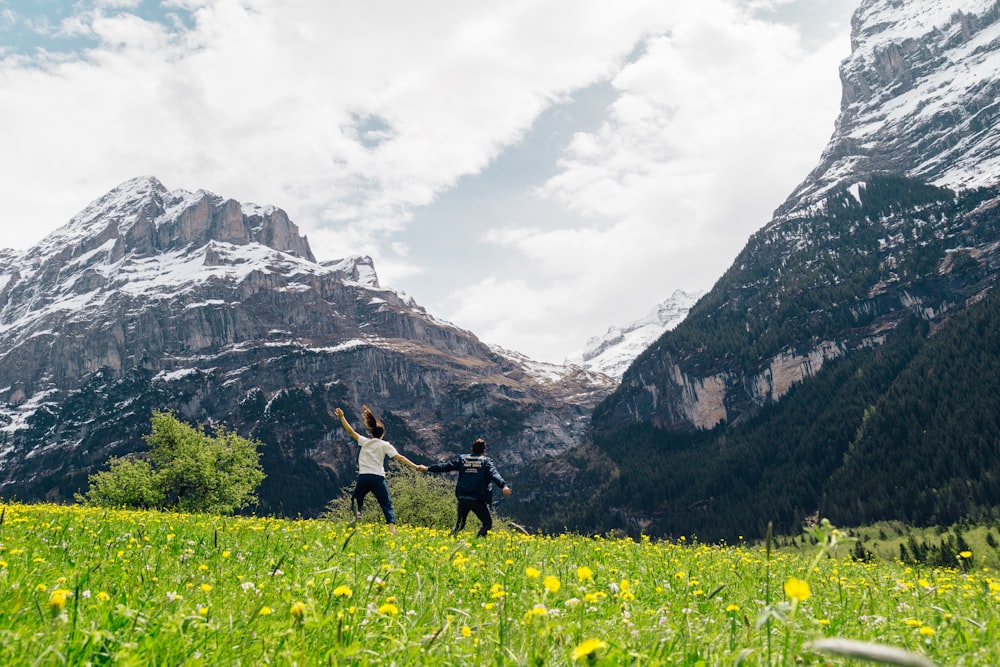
(83, 586)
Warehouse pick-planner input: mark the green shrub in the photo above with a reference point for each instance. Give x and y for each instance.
(420, 499)
(187, 470)
(127, 483)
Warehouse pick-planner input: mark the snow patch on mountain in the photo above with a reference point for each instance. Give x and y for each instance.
(921, 98)
(612, 353)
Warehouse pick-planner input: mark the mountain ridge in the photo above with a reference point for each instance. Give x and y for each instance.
(825, 349)
(157, 299)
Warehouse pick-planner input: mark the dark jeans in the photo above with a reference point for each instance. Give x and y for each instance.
(376, 485)
(479, 508)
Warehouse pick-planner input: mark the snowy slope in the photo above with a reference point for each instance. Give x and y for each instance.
(921, 97)
(614, 352)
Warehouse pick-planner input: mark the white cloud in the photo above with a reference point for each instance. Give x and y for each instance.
(702, 144)
(352, 115)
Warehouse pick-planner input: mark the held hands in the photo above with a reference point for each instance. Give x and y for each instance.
(506, 491)
(422, 468)
(338, 412)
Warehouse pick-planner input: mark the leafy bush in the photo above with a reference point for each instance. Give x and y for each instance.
(127, 483)
(187, 470)
(420, 499)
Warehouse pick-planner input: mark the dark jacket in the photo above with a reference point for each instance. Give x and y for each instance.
(476, 476)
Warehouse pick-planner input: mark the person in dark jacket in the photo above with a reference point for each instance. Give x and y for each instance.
(474, 489)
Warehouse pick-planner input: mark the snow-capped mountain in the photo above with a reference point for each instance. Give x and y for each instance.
(613, 352)
(921, 98)
(867, 240)
(846, 359)
(158, 299)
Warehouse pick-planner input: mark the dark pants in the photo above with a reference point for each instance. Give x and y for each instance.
(376, 485)
(479, 508)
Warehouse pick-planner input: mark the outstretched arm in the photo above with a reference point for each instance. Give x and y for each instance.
(343, 422)
(403, 459)
(447, 466)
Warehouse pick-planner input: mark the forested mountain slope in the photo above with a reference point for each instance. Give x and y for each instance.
(842, 364)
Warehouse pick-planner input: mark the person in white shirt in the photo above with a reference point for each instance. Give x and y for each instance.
(371, 465)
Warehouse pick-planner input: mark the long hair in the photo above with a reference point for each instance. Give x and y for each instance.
(373, 423)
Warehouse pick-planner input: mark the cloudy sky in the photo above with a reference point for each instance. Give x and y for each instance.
(535, 171)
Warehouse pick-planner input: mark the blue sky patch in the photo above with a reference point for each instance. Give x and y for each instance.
(63, 26)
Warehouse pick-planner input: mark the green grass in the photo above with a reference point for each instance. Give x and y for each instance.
(90, 586)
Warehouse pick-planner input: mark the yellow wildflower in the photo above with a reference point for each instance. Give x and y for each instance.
(798, 590)
(343, 591)
(298, 610)
(551, 583)
(535, 612)
(264, 611)
(466, 631)
(389, 609)
(57, 599)
(531, 573)
(587, 647)
(584, 573)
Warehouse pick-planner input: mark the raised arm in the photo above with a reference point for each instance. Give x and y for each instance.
(343, 422)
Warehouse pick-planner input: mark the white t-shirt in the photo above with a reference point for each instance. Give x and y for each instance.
(371, 459)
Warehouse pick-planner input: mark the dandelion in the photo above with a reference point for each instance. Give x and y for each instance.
(539, 610)
(531, 573)
(584, 573)
(551, 583)
(797, 589)
(466, 631)
(389, 609)
(965, 554)
(342, 591)
(926, 630)
(57, 600)
(298, 611)
(103, 596)
(206, 587)
(264, 611)
(587, 647)
(626, 593)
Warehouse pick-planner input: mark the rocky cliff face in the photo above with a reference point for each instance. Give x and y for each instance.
(863, 243)
(156, 299)
(921, 97)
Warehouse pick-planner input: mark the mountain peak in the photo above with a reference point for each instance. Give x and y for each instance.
(612, 353)
(920, 92)
(143, 217)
